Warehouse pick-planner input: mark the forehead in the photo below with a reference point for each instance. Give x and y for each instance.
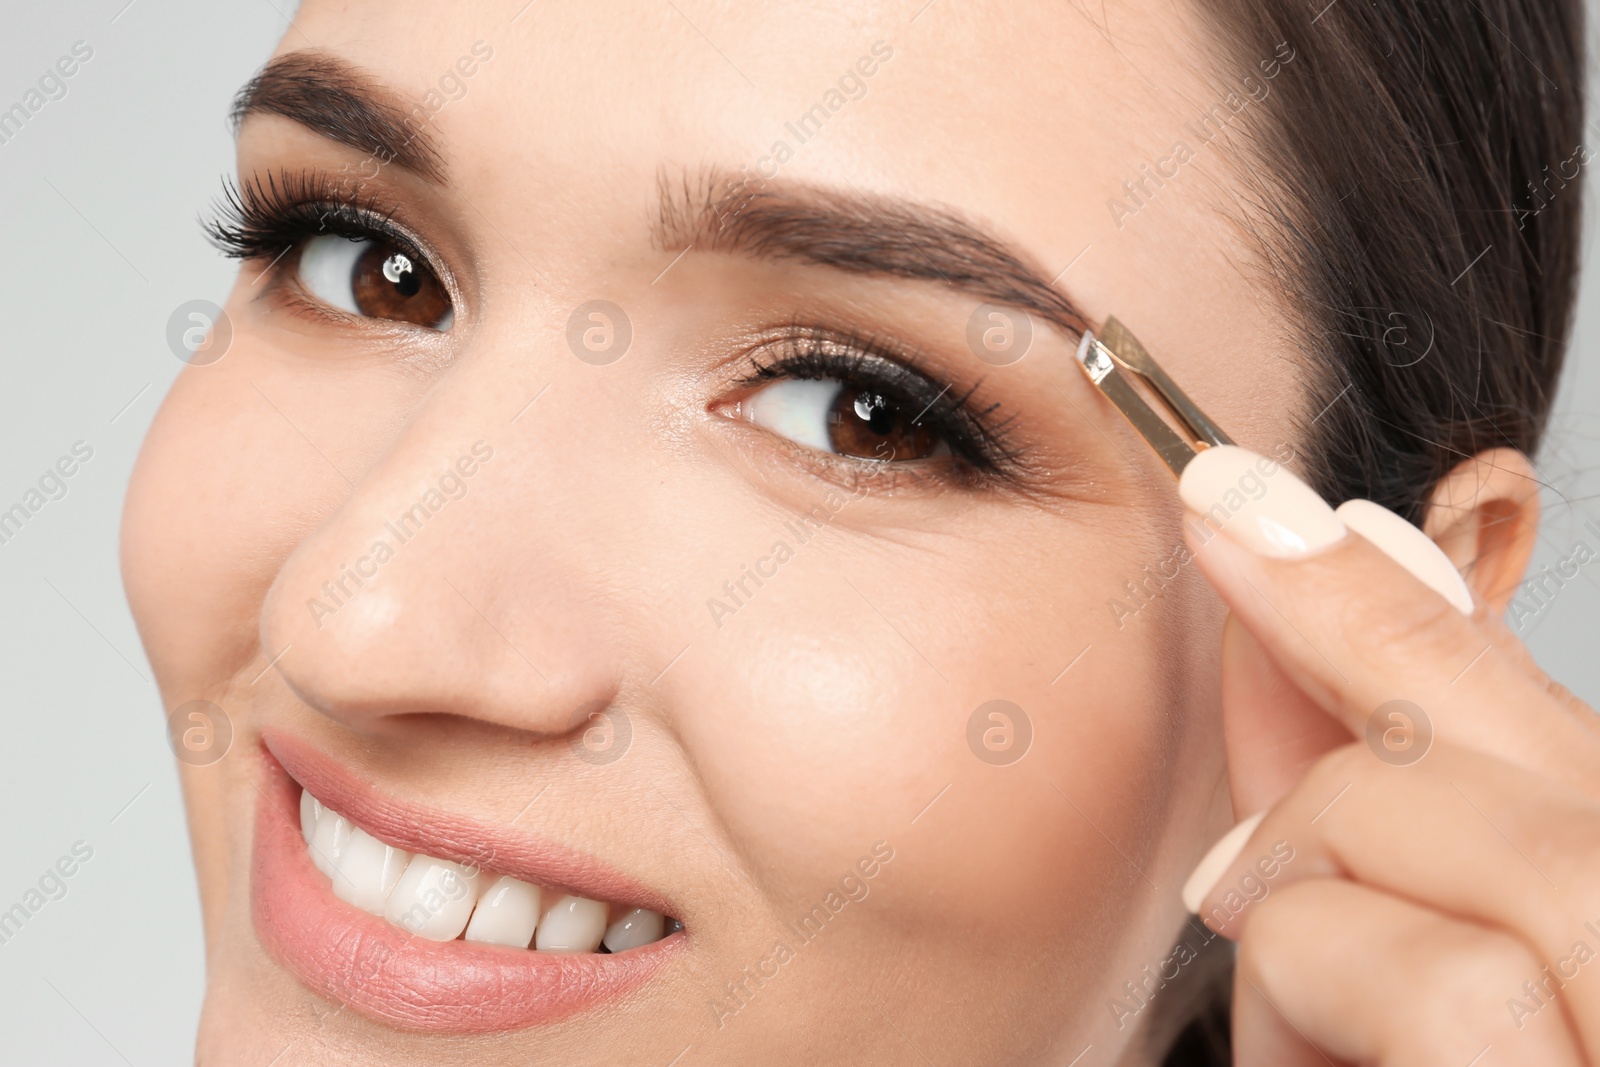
(1028, 109)
(1077, 132)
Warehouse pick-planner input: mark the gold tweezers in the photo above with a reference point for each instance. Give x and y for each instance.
(1114, 361)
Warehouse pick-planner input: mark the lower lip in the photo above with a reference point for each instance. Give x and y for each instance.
(378, 970)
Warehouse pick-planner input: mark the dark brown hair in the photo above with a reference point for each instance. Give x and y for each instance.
(1413, 181)
(1412, 184)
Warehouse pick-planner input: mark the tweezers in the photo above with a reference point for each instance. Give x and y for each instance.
(1114, 362)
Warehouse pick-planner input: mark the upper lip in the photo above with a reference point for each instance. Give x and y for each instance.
(447, 836)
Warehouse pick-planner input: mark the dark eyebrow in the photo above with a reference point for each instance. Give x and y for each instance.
(345, 103)
(855, 232)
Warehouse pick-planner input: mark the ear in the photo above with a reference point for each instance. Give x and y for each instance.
(1484, 514)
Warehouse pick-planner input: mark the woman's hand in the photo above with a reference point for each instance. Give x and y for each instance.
(1428, 893)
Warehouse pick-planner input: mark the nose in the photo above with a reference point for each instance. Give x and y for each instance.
(429, 590)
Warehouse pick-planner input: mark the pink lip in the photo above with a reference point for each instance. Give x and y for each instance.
(379, 970)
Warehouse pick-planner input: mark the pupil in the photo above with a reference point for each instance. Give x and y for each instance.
(398, 269)
(875, 412)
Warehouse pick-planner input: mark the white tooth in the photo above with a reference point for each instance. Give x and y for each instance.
(638, 926)
(310, 808)
(329, 840)
(433, 898)
(506, 914)
(571, 924)
(368, 871)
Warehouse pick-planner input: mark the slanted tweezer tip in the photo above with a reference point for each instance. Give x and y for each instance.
(1084, 345)
(1114, 362)
(1094, 358)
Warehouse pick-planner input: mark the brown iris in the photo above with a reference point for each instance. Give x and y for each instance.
(869, 424)
(391, 284)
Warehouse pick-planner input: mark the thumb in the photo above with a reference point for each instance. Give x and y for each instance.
(1273, 732)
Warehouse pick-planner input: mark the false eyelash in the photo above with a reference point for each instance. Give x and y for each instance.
(262, 218)
(974, 438)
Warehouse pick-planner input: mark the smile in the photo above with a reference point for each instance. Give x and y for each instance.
(429, 922)
(442, 900)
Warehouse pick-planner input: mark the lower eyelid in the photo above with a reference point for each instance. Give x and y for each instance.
(934, 473)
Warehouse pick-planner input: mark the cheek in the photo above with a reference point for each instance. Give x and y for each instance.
(796, 740)
(819, 728)
(815, 729)
(243, 460)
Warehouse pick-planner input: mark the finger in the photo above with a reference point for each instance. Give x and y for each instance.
(1332, 969)
(1273, 732)
(1457, 832)
(1354, 630)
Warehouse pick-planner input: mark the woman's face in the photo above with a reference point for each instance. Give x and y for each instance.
(653, 509)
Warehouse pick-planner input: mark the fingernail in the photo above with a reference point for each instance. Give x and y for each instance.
(1217, 861)
(1258, 503)
(1409, 547)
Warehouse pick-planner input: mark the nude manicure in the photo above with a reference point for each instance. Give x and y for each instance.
(1216, 862)
(1409, 547)
(1258, 503)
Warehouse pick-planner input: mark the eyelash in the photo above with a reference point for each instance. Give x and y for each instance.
(261, 219)
(977, 444)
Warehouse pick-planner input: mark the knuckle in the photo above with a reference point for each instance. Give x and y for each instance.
(1403, 629)
(1335, 770)
(1347, 761)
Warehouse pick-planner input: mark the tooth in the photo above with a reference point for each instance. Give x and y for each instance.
(571, 924)
(633, 928)
(433, 898)
(310, 808)
(506, 914)
(367, 872)
(329, 840)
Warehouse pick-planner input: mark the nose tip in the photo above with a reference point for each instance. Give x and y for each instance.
(391, 609)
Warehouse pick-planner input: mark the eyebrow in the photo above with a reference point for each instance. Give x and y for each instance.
(856, 232)
(342, 102)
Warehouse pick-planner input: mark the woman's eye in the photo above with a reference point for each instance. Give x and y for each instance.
(844, 418)
(374, 279)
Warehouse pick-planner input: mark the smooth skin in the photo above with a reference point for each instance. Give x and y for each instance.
(770, 752)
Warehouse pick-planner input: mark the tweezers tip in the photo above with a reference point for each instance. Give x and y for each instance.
(1083, 347)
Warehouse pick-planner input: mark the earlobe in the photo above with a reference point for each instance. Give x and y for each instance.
(1484, 514)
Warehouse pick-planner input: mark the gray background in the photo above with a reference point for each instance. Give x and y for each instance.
(97, 225)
